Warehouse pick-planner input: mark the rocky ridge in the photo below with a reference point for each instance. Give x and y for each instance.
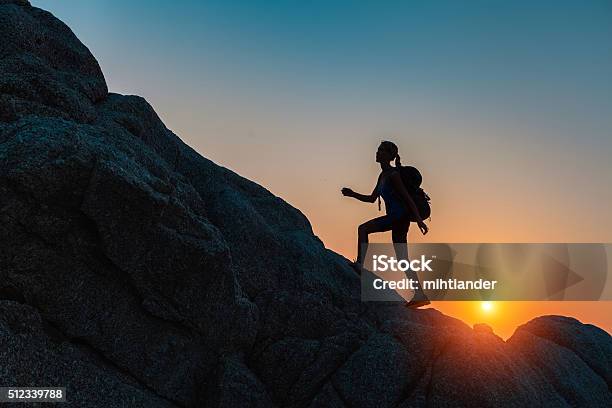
(136, 272)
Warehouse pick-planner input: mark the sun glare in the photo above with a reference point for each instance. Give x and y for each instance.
(486, 306)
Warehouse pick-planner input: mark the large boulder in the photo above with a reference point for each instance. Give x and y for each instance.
(46, 70)
(574, 357)
(136, 272)
(33, 353)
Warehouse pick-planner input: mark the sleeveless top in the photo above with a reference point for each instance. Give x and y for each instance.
(393, 203)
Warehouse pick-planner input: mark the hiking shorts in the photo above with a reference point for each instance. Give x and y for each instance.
(398, 225)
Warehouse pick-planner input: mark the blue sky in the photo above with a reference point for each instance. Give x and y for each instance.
(556, 52)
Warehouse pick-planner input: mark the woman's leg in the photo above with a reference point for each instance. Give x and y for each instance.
(399, 235)
(379, 224)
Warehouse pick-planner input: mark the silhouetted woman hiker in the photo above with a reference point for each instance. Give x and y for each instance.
(399, 207)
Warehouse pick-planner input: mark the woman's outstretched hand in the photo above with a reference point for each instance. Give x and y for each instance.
(423, 227)
(347, 192)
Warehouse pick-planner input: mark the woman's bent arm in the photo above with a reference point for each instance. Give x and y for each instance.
(362, 197)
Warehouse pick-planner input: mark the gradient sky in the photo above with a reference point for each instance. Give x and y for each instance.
(506, 107)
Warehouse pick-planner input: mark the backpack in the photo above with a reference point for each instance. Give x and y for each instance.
(412, 179)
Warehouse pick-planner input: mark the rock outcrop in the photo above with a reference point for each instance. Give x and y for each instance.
(135, 272)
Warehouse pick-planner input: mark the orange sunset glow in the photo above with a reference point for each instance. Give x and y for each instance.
(505, 317)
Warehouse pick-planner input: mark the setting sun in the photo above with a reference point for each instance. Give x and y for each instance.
(486, 306)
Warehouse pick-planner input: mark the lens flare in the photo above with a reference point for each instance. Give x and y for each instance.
(486, 306)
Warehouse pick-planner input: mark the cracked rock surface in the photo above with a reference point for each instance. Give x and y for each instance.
(136, 272)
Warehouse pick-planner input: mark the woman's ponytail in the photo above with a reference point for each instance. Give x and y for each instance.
(398, 162)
